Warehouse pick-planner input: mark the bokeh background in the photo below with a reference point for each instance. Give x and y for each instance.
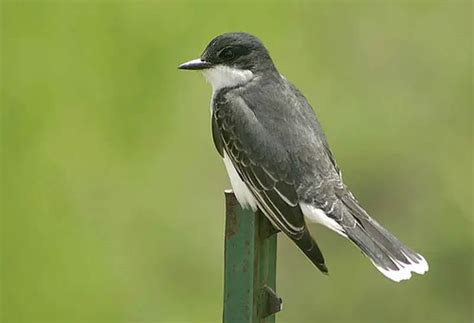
(112, 193)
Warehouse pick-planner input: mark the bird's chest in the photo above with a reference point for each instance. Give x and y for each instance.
(218, 99)
(216, 106)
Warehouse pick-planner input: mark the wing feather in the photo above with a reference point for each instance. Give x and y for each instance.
(264, 164)
(267, 177)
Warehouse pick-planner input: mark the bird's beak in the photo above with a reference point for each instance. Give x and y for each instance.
(195, 64)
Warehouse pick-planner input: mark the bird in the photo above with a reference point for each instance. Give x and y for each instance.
(278, 159)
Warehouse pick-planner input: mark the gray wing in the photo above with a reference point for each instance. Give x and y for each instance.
(266, 166)
(216, 137)
(262, 162)
(285, 115)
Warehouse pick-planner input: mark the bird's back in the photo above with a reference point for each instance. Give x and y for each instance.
(289, 121)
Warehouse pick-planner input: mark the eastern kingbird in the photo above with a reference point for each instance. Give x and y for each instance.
(278, 159)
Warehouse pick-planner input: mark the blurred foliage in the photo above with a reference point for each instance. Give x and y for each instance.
(112, 193)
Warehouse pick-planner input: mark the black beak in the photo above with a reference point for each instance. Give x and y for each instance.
(195, 64)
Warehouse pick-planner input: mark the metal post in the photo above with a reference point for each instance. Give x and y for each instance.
(250, 266)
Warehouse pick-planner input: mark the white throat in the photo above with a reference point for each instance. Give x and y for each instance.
(221, 76)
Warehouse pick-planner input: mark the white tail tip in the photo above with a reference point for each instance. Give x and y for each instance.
(404, 270)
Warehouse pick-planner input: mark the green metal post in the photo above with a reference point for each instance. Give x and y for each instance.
(250, 266)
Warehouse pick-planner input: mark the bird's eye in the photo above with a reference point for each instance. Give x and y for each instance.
(226, 54)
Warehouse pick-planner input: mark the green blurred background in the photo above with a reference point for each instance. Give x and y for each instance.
(112, 193)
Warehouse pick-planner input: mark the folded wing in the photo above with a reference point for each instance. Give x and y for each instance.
(266, 169)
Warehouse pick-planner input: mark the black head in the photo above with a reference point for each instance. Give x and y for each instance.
(238, 50)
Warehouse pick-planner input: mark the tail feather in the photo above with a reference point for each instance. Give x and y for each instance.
(388, 254)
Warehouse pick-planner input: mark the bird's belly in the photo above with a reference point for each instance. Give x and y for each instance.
(241, 191)
(318, 216)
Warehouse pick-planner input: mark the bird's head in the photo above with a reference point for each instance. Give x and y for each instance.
(231, 59)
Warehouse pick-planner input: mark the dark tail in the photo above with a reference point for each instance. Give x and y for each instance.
(389, 255)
